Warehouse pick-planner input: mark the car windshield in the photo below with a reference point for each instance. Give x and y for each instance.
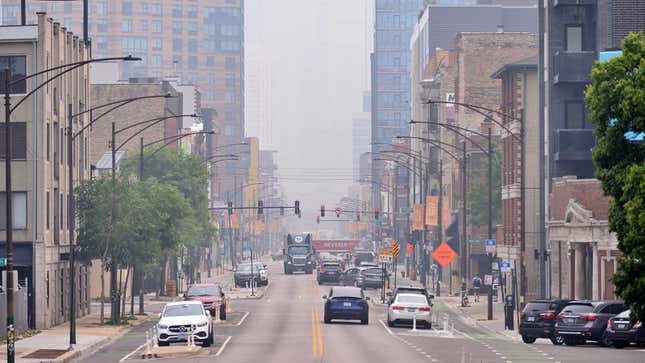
(624, 314)
(298, 250)
(577, 309)
(537, 306)
(415, 299)
(245, 268)
(183, 310)
(373, 271)
(203, 291)
(331, 266)
(258, 266)
(412, 290)
(346, 292)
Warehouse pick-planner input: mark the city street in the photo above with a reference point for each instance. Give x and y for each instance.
(285, 325)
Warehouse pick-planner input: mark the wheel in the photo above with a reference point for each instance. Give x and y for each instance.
(163, 344)
(222, 312)
(390, 323)
(557, 340)
(528, 340)
(604, 341)
(320, 282)
(619, 344)
(206, 342)
(428, 325)
(365, 320)
(356, 284)
(327, 319)
(341, 282)
(572, 342)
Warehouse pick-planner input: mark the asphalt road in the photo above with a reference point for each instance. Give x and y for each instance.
(285, 325)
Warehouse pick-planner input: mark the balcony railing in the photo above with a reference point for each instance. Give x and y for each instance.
(574, 144)
(573, 67)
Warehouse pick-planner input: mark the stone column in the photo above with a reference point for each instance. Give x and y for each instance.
(580, 271)
(595, 285)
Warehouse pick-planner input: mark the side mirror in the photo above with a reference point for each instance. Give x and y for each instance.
(208, 313)
(324, 297)
(389, 294)
(159, 315)
(367, 298)
(431, 296)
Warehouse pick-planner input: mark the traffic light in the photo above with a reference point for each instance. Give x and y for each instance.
(297, 208)
(230, 207)
(322, 210)
(376, 213)
(337, 212)
(260, 208)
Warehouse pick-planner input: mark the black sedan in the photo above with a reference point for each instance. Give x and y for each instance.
(538, 320)
(621, 332)
(346, 303)
(585, 320)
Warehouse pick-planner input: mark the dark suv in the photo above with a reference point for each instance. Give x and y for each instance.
(584, 320)
(329, 271)
(538, 320)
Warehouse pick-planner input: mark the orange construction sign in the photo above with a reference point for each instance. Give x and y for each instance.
(444, 254)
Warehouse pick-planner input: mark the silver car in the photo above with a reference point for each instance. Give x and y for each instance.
(409, 307)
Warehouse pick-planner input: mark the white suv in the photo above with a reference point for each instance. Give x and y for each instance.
(179, 319)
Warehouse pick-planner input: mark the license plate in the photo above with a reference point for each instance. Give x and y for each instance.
(183, 335)
(621, 326)
(347, 304)
(412, 309)
(570, 320)
(530, 318)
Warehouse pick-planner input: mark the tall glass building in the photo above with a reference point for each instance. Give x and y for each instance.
(390, 60)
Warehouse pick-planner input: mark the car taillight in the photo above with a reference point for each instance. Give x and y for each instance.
(637, 325)
(547, 315)
(397, 307)
(559, 317)
(424, 309)
(590, 317)
(610, 325)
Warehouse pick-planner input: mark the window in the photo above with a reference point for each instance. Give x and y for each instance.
(157, 60)
(47, 211)
(101, 43)
(143, 8)
(230, 80)
(143, 25)
(177, 45)
(230, 64)
(177, 61)
(48, 142)
(126, 8)
(193, 45)
(210, 96)
(193, 28)
(177, 11)
(17, 64)
(192, 11)
(210, 46)
(19, 205)
(229, 97)
(101, 26)
(574, 115)
(193, 63)
(573, 42)
(67, 8)
(156, 26)
(176, 27)
(157, 44)
(229, 114)
(230, 46)
(126, 26)
(229, 130)
(231, 30)
(134, 44)
(156, 9)
(211, 78)
(101, 8)
(18, 140)
(210, 61)
(192, 77)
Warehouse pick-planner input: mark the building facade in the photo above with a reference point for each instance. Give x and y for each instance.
(361, 134)
(40, 166)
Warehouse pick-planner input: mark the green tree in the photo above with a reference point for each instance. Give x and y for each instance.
(616, 103)
(477, 192)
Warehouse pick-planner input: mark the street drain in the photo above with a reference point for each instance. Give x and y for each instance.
(46, 353)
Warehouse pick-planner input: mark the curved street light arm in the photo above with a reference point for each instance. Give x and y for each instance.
(401, 163)
(458, 131)
(174, 138)
(449, 127)
(222, 156)
(150, 122)
(410, 155)
(438, 145)
(220, 160)
(425, 139)
(227, 145)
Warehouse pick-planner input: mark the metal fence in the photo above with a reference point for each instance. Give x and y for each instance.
(20, 312)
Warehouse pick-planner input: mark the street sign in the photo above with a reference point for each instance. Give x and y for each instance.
(491, 246)
(444, 254)
(488, 280)
(3, 262)
(385, 251)
(385, 259)
(475, 241)
(394, 245)
(246, 252)
(429, 246)
(406, 209)
(505, 266)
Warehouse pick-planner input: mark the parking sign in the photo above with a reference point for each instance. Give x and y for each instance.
(491, 246)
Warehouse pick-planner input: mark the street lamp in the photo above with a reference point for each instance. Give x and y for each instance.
(8, 83)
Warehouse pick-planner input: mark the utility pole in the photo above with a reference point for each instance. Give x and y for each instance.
(464, 242)
(9, 215)
(114, 295)
(440, 223)
(522, 208)
(70, 226)
(490, 218)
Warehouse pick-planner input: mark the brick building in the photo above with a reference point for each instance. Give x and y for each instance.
(583, 253)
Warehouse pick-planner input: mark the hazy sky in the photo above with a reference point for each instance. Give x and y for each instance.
(309, 62)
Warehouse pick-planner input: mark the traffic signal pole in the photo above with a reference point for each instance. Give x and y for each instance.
(440, 223)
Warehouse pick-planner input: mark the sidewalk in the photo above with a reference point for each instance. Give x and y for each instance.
(52, 345)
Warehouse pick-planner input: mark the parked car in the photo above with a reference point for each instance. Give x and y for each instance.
(180, 319)
(538, 320)
(211, 296)
(264, 273)
(410, 290)
(244, 274)
(349, 276)
(621, 332)
(371, 277)
(409, 307)
(368, 264)
(585, 320)
(346, 303)
(329, 271)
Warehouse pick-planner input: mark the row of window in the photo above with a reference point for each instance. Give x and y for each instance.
(156, 26)
(140, 45)
(156, 9)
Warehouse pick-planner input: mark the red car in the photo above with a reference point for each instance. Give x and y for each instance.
(211, 296)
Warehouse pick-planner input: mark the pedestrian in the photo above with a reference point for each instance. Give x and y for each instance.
(477, 284)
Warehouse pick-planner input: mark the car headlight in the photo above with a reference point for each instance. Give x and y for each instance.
(309, 262)
(288, 262)
(163, 326)
(203, 323)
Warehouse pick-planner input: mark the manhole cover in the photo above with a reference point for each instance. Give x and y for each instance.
(46, 353)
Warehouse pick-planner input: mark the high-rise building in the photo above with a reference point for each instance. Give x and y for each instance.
(361, 134)
(390, 60)
(198, 41)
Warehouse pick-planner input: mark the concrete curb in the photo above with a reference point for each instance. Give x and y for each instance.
(474, 322)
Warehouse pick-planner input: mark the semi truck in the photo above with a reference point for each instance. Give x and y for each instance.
(298, 253)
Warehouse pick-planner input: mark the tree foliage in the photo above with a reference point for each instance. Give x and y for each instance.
(477, 192)
(616, 103)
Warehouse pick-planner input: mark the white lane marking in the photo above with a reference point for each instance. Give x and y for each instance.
(221, 349)
(386, 328)
(242, 320)
(132, 353)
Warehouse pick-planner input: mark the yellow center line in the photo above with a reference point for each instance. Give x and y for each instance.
(319, 329)
(313, 333)
(316, 331)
